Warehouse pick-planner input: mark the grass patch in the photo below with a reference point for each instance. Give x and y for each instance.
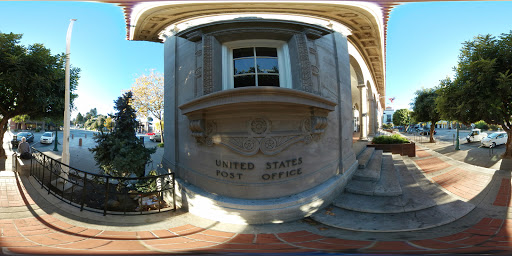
(393, 139)
(160, 145)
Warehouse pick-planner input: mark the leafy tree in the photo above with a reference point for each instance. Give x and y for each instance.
(109, 124)
(148, 96)
(120, 153)
(424, 109)
(482, 86)
(160, 126)
(402, 117)
(79, 119)
(31, 82)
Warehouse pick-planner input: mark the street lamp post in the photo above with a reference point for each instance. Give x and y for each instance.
(65, 140)
(457, 140)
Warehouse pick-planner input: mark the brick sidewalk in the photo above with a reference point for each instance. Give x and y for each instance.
(48, 234)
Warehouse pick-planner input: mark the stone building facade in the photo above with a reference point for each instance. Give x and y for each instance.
(262, 101)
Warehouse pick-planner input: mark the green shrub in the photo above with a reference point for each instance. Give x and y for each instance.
(494, 127)
(393, 139)
(482, 125)
(387, 126)
(160, 145)
(38, 130)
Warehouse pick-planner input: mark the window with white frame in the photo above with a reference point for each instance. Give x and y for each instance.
(256, 63)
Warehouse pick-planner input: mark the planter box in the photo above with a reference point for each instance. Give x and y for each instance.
(407, 149)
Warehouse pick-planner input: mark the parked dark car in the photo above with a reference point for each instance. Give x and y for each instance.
(28, 135)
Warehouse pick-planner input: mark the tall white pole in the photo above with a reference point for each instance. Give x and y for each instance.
(65, 141)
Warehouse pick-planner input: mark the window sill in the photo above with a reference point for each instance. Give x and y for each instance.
(256, 96)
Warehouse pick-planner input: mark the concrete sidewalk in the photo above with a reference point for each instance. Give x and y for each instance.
(470, 153)
(33, 222)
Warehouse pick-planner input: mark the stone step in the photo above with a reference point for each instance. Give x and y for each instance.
(393, 222)
(365, 156)
(359, 146)
(387, 185)
(413, 197)
(372, 171)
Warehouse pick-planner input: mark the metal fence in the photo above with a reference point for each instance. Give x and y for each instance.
(103, 193)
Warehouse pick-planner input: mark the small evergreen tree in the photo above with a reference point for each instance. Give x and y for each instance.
(120, 153)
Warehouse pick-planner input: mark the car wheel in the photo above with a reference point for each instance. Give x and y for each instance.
(493, 145)
(468, 140)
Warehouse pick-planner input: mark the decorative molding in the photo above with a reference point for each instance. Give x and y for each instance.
(259, 136)
(314, 70)
(312, 33)
(304, 63)
(198, 72)
(207, 64)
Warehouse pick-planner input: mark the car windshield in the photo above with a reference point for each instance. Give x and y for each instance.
(493, 135)
(23, 134)
(47, 134)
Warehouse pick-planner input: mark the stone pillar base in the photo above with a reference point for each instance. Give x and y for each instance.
(275, 210)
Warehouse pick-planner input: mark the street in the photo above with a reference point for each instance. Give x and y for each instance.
(471, 153)
(80, 156)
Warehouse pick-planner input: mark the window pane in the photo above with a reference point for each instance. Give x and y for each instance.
(265, 51)
(267, 65)
(243, 81)
(243, 66)
(243, 52)
(268, 80)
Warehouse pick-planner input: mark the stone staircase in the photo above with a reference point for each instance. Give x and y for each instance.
(389, 194)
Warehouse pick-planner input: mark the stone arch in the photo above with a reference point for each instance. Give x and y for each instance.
(359, 96)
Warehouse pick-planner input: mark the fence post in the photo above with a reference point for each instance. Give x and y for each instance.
(173, 191)
(51, 171)
(161, 197)
(83, 192)
(106, 197)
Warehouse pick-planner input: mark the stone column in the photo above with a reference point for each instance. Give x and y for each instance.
(372, 117)
(363, 115)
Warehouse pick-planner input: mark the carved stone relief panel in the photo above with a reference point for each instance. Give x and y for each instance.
(198, 90)
(207, 64)
(259, 135)
(304, 63)
(313, 59)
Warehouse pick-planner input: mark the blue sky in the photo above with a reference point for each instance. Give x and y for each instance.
(423, 43)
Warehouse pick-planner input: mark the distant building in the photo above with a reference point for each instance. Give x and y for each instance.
(387, 117)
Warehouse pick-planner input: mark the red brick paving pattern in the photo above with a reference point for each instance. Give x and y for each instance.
(48, 235)
(432, 164)
(489, 234)
(503, 197)
(463, 183)
(420, 152)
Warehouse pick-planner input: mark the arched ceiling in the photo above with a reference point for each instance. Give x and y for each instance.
(367, 21)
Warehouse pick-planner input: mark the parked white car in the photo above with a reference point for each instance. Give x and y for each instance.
(47, 138)
(495, 139)
(476, 135)
(155, 137)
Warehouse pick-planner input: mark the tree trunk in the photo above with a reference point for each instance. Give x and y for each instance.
(432, 128)
(161, 131)
(508, 146)
(3, 129)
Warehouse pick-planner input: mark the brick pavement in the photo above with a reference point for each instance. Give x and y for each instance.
(47, 233)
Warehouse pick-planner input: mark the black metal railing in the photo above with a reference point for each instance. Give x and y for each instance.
(103, 193)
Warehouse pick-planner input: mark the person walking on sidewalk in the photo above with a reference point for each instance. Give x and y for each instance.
(24, 149)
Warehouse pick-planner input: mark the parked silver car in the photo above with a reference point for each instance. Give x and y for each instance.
(494, 139)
